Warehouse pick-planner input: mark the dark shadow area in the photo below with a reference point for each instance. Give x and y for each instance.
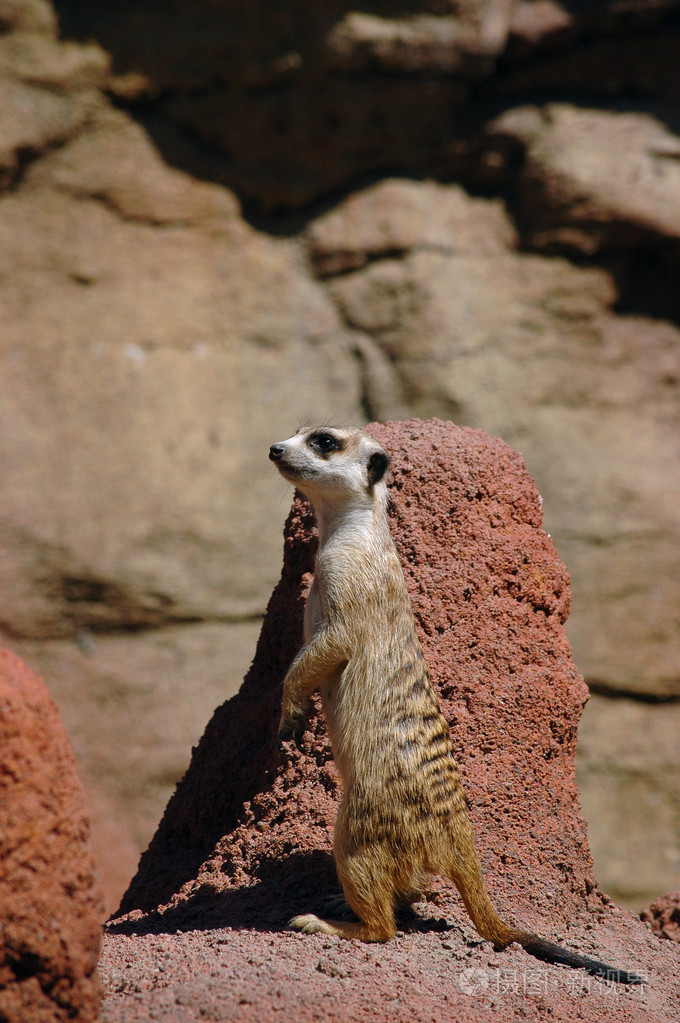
(255, 97)
(296, 884)
(300, 883)
(234, 760)
(648, 283)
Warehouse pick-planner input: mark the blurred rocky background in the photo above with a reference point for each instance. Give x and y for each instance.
(219, 219)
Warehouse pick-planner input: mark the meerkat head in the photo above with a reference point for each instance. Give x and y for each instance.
(331, 464)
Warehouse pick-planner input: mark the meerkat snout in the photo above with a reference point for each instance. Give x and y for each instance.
(276, 452)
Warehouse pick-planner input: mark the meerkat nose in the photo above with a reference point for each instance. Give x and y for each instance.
(276, 452)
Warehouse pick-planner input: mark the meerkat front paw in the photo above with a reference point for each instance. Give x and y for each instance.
(308, 923)
(292, 727)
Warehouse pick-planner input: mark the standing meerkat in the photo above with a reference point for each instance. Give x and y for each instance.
(403, 814)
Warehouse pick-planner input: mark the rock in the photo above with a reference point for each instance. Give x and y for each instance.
(664, 916)
(38, 60)
(462, 43)
(288, 105)
(535, 22)
(287, 114)
(630, 799)
(227, 342)
(115, 163)
(577, 194)
(30, 16)
(48, 90)
(245, 840)
(32, 120)
(395, 216)
(50, 907)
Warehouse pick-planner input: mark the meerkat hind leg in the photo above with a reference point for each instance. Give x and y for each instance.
(372, 902)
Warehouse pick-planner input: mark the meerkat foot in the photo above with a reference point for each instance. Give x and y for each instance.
(308, 923)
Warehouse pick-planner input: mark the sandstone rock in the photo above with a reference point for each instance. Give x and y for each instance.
(591, 398)
(32, 120)
(288, 104)
(534, 22)
(463, 42)
(245, 840)
(50, 908)
(396, 216)
(31, 16)
(141, 410)
(664, 916)
(38, 60)
(115, 163)
(630, 799)
(47, 88)
(576, 193)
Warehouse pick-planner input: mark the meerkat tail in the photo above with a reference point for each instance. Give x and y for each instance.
(549, 952)
(470, 884)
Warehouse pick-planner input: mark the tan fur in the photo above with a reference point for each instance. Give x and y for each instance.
(403, 814)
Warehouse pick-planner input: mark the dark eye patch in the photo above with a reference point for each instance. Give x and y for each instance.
(325, 443)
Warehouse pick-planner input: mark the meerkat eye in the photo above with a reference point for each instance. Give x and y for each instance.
(325, 442)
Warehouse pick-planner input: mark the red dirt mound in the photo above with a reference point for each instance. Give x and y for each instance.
(663, 915)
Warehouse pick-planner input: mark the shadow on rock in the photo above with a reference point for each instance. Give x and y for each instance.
(301, 883)
(290, 886)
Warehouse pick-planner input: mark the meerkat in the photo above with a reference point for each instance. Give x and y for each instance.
(403, 814)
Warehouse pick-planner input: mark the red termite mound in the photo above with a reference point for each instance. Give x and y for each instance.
(50, 905)
(247, 837)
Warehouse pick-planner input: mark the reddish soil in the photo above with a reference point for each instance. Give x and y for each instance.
(245, 840)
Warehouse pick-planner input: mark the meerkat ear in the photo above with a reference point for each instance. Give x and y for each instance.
(377, 467)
